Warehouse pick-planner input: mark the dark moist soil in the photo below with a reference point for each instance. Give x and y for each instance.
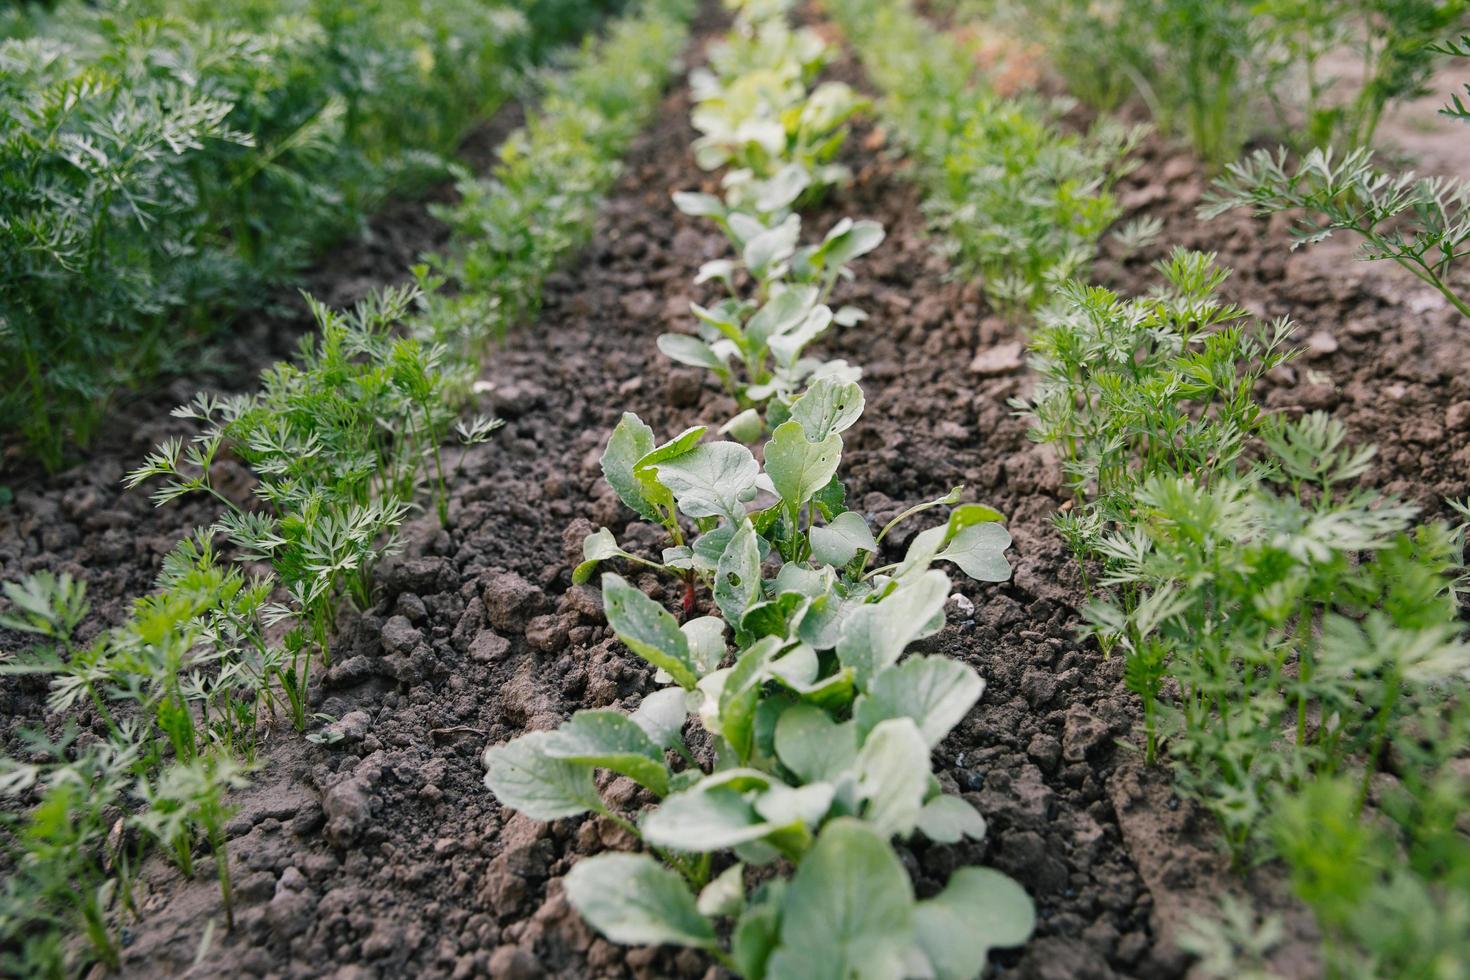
(383, 855)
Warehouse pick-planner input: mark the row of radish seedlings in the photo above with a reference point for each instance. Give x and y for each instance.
(163, 712)
(813, 744)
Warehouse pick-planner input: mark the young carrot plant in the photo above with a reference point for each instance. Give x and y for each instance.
(515, 227)
(1014, 199)
(1419, 223)
(822, 731)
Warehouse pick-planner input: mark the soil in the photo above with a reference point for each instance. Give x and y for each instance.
(383, 855)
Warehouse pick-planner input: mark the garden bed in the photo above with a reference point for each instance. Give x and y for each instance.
(382, 854)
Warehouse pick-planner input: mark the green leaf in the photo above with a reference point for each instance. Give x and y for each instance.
(838, 542)
(738, 575)
(813, 746)
(781, 313)
(828, 406)
(703, 819)
(945, 819)
(875, 635)
(893, 775)
(662, 714)
(799, 467)
(689, 350)
(630, 442)
(648, 630)
(726, 894)
(979, 551)
(610, 740)
(850, 239)
(741, 695)
(646, 471)
(711, 480)
(746, 427)
(979, 910)
(849, 910)
(767, 250)
(634, 900)
(706, 635)
(524, 777)
(699, 205)
(967, 515)
(935, 692)
(758, 930)
(597, 547)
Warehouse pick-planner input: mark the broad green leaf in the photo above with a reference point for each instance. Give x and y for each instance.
(597, 547)
(714, 269)
(741, 695)
(706, 635)
(781, 189)
(701, 819)
(876, 634)
(838, 542)
(979, 910)
(799, 467)
(850, 239)
(610, 740)
(648, 630)
(746, 427)
(522, 776)
(935, 692)
(634, 900)
(631, 440)
(804, 581)
(726, 894)
(849, 910)
(689, 350)
(781, 313)
(945, 819)
(813, 746)
(787, 347)
(600, 545)
(828, 406)
(646, 470)
(738, 574)
(662, 714)
(723, 320)
(797, 667)
(921, 552)
(710, 547)
(823, 623)
(893, 775)
(979, 551)
(699, 205)
(782, 806)
(777, 618)
(968, 515)
(766, 251)
(758, 929)
(711, 480)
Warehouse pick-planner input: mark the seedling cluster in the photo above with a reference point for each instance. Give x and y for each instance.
(817, 730)
(1294, 640)
(343, 442)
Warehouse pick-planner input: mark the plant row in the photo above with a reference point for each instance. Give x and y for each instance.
(163, 160)
(1295, 640)
(1014, 197)
(164, 711)
(1316, 75)
(791, 744)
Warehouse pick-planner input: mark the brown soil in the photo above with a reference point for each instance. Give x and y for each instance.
(383, 855)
